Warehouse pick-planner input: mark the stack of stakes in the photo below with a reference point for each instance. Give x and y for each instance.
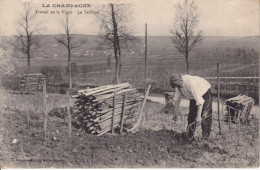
(30, 82)
(239, 108)
(99, 110)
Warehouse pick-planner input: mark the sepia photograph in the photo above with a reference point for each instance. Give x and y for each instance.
(129, 84)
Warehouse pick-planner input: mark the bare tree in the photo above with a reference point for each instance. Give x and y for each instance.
(113, 20)
(185, 36)
(68, 40)
(26, 37)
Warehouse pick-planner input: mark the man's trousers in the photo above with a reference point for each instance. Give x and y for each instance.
(206, 115)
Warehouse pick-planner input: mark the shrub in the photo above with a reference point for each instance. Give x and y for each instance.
(52, 74)
(10, 82)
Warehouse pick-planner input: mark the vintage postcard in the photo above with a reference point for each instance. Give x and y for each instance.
(129, 84)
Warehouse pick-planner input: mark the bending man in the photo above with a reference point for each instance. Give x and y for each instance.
(197, 90)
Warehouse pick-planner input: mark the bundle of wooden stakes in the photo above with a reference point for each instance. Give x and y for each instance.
(99, 110)
(239, 108)
(30, 82)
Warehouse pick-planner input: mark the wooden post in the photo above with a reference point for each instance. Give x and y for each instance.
(113, 113)
(123, 113)
(238, 116)
(45, 108)
(25, 83)
(238, 131)
(145, 57)
(248, 110)
(219, 123)
(69, 116)
(39, 80)
(229, 118)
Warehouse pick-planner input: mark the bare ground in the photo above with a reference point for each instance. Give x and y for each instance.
(159, 143)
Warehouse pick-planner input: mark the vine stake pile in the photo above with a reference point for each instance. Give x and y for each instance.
(104, 108)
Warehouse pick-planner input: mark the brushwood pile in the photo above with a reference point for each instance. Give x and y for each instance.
(30, 82)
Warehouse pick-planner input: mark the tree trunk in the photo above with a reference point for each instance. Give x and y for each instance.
(28, 65)
(119, 62)
(119, 68)
(116, 46)
(70, 83)
(69, 67)
(69, 116)
(187, 62)
(117, 71)
(28, 61)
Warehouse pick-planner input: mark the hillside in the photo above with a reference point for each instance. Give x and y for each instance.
(158, 45)
(96, 66)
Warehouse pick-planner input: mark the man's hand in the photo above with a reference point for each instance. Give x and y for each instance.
(176, 116)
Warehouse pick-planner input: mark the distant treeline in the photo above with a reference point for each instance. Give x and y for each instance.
(58, 74)
(243, 55)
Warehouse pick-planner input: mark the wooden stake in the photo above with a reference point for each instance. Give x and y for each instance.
(136, 126)
(113, 113)
(145, 57)
(25, 83)
(45, 108)
(123, 113)
(38, 83)
(229, 119)
(218, 99)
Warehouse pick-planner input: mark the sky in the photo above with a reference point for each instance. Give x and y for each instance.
(217, 17)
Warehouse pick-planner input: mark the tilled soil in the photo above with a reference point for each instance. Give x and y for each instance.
(157, 144)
